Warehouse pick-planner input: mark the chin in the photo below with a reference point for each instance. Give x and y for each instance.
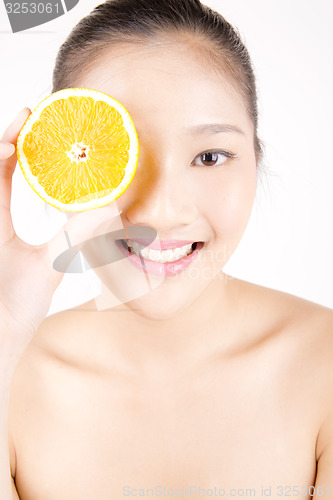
(153, 307)
(159, 298)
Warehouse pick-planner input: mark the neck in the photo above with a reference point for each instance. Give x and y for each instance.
(198, 332)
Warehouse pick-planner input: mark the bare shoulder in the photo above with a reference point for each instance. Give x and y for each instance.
(61, 334)
(294, 329)
(284, 309)
(304, 328)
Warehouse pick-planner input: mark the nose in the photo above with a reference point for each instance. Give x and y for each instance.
(161, 198)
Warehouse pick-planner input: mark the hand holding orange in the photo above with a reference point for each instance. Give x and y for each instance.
(28, 277)
(78, 149)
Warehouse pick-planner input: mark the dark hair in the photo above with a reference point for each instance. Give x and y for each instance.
(117, 21)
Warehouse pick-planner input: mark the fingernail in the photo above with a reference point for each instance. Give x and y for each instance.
(7, 148)
(22, 113)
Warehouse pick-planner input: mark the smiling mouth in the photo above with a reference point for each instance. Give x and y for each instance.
(163, 256)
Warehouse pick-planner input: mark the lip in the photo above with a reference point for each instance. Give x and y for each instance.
(161, 244)
(161, 268)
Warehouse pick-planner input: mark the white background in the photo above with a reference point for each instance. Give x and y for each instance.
(288, 244)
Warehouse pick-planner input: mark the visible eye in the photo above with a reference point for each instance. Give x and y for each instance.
(212, 158)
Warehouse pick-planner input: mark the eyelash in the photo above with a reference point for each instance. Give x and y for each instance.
(227, 154)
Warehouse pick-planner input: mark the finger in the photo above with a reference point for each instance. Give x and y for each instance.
(12, 131)
(10, 135)
(7, 166)
(7, 149)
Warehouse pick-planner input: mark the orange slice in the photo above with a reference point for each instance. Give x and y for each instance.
(78, 149)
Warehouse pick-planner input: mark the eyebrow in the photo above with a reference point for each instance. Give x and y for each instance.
(214, 128)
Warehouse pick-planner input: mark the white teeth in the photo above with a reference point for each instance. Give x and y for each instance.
(170, 255)
(154, 254)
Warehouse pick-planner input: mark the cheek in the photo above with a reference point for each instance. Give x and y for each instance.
(229, 204)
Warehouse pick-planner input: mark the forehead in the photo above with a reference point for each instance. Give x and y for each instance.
(167, 80)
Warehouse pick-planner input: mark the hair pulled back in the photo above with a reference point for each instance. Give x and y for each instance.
(133, 21)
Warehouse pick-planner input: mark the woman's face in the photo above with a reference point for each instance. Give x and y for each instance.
(196, 176)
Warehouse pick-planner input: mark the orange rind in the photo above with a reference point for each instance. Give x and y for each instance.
(78, 149)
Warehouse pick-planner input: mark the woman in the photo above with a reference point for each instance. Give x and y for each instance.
(205, 384)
